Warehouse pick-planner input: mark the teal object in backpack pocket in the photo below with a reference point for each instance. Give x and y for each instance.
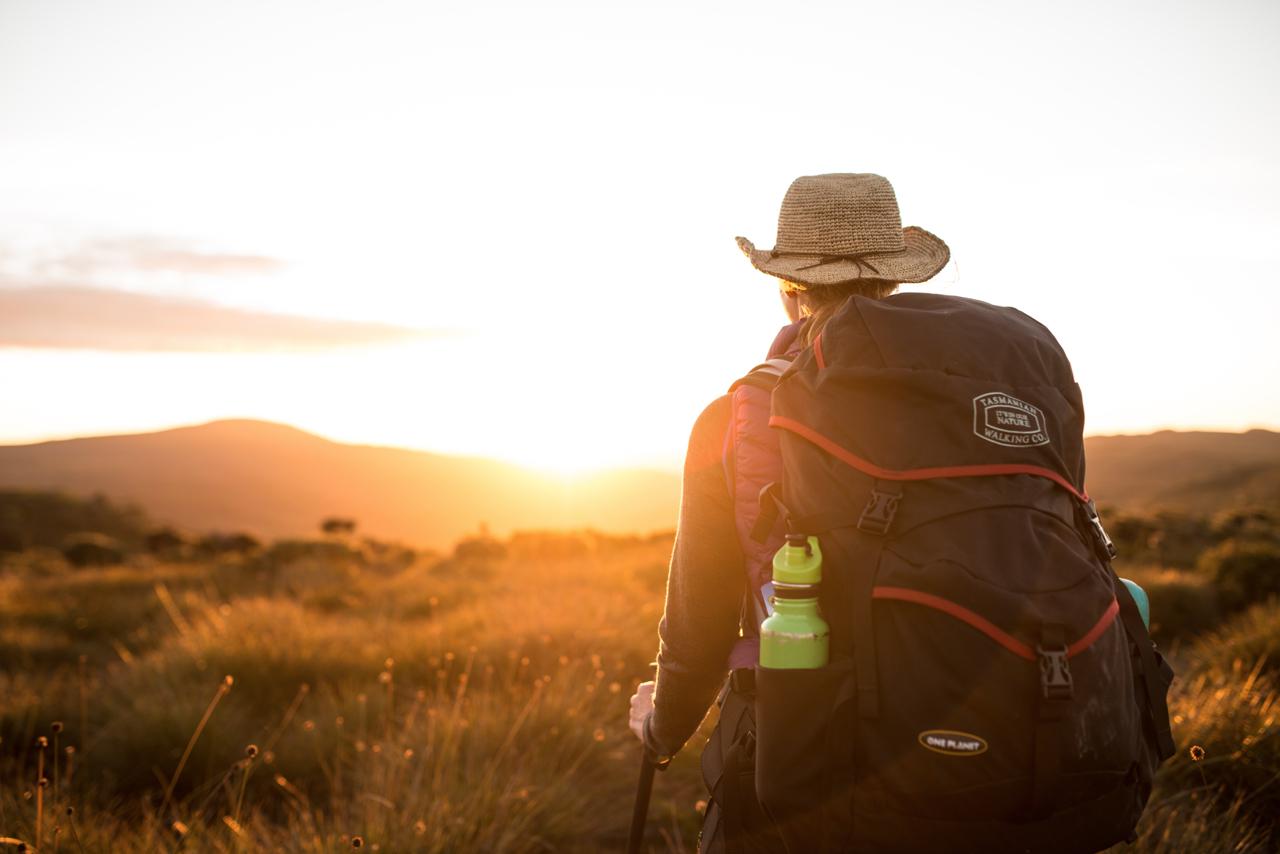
(1140, 598)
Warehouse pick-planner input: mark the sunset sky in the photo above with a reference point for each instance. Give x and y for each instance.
(507, 229)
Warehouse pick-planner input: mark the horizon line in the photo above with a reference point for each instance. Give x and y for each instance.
(49, 439)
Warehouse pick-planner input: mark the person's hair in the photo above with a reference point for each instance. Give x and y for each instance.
(820, 302)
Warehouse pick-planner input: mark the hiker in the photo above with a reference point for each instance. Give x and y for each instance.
(1002, 692)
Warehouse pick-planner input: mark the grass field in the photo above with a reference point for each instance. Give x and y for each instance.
(324, 696)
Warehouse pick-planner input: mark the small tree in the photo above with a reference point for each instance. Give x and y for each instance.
(337, 526)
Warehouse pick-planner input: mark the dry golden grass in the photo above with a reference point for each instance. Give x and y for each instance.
(449, 706)
(458, 705)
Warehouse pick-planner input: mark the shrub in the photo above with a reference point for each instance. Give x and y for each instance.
(1180, 539)
(480, 549)
(1133, 536)
(567, 545)
(1182, 603)
(49, 518)
(1244, 571)
(1254, 524)
(285, 552)
(12, 541)
(549, 545)
(165, 542)
(90, 549)
(388, 557)
(213, 545)
(1166, 539)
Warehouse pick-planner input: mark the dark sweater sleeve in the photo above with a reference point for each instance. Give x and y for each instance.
(705, 585)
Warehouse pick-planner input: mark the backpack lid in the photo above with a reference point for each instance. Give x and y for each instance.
(920, 386)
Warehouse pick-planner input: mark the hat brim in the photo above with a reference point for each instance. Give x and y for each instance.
(920, 259)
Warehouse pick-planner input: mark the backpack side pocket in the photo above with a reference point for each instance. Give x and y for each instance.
(804, 746)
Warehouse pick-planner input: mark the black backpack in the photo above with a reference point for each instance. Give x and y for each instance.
(991, 685)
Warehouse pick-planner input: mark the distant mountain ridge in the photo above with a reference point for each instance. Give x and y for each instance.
(1196, 472)
(276, 480)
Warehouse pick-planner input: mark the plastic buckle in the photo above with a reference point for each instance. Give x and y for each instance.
(1100, 533)
(1055, 674)
(878, 515)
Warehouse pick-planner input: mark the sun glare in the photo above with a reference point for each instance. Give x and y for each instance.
(565, 454)
(565, 468)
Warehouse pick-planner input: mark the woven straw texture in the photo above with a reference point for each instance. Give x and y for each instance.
(840, 227)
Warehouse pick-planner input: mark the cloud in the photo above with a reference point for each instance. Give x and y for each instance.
(77, 317)
(153, 255)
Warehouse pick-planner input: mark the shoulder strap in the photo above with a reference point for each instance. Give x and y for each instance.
(1156, 673)
(1154, 670)
(753, 390)
(764, 375)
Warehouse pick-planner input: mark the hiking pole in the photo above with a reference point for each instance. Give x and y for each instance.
(644, 787)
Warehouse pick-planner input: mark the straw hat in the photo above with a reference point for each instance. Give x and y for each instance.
(841, 227)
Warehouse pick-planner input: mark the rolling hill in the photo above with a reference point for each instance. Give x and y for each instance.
(277, 480)
(1195, 472)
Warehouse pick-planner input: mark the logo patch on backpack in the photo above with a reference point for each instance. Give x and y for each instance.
(1005, 420)
(950, 742)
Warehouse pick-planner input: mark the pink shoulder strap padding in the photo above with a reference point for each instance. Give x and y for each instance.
(756, 462)
(753, 460)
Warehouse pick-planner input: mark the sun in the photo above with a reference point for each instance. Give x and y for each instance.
(563, 454)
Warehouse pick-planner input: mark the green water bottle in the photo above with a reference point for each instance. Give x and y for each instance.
(795, 636)
(1140, 599)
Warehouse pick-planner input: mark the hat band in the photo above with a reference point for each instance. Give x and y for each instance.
(858, 260)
